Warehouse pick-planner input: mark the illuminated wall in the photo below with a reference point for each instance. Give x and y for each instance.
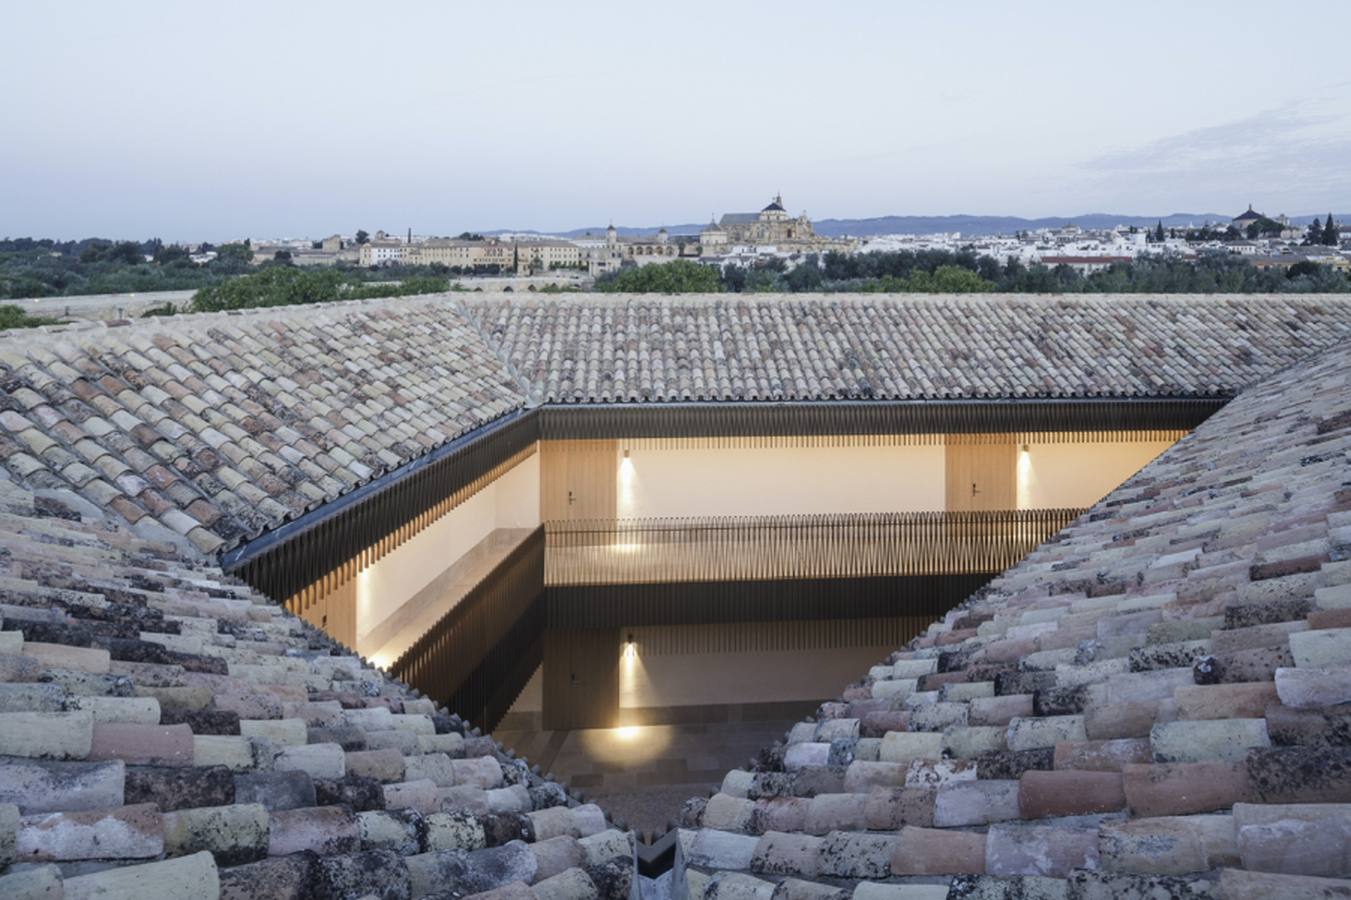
(511, 501)
(758, 481)
(1052, 476)
(657, 482)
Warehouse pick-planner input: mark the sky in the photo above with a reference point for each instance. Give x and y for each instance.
(212, 122)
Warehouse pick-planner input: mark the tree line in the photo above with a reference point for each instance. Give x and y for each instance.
(963, 272)
(289, 286)
(41, 267)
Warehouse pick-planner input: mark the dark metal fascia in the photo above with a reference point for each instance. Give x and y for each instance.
(326, 512)
(822, 417)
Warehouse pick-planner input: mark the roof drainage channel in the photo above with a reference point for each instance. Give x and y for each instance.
(832, 417)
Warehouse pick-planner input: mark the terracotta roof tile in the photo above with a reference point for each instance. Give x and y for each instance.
(608, 349)
(1170, 677)
(166, 415)
(162, 726)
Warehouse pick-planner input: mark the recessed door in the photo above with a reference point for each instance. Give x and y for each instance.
(578, 480)
(982, 476)
(581, 679)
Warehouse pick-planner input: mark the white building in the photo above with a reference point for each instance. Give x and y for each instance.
(380, 252)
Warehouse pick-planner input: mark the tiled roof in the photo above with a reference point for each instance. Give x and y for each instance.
(166, 732)
(219, 426)
(766, 347)
(1142, 698)
(1157, 693)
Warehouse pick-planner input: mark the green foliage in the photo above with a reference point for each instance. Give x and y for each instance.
(164, 309)
(1264, 227)
(362, 237)
(289, 286)
(1314, 235)
(12, 316)
(678, 277)
(241, 252)
(47, 268)
(945, 272)
(1331, 236)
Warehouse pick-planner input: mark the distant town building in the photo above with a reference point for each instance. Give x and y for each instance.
(546, 255)
(713, 238)
(1084, 265)
(381, 251)
(490, 254)
(771, 226)
(1244, 219)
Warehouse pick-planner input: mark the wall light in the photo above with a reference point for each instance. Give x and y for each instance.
(630, 648)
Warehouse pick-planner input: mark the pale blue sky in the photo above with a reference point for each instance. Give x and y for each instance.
(193, 121)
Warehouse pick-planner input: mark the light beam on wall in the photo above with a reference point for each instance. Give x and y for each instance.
(626, 479)
(1024, 478)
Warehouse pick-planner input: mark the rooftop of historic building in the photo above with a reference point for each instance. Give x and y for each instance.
(1155, 695)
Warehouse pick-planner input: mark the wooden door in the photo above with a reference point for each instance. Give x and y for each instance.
(581, 679)
(578, 480)
(982, 476)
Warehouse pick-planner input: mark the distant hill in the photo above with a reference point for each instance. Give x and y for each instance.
(970, 225)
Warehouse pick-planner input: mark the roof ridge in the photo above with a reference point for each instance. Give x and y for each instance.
(532, 394)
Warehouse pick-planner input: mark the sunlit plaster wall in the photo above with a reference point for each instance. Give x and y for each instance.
(512, 501)
(779, 480)
(1075, 475)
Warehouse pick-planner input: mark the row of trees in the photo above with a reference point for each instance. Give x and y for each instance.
(1325, 234)
(45, 268)
(290, 286)
(943, 272)
(1318, 233)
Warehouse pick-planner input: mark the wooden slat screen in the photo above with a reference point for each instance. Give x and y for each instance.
(645, 551)
(442, 661)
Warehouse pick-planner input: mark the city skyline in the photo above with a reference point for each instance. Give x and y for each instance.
(209, 128)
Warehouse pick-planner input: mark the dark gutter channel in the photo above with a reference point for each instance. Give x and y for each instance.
(828, 417)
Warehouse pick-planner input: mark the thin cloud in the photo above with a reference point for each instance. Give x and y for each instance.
(1300, 150)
